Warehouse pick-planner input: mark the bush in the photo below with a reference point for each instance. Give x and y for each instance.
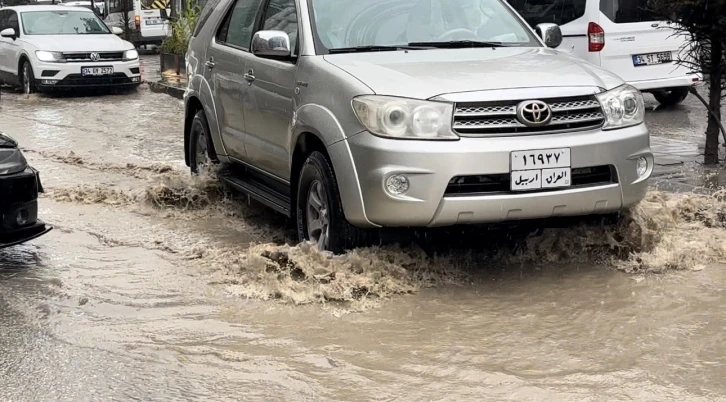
(181, 30)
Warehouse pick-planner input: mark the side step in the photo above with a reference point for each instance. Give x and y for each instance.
(255, 187)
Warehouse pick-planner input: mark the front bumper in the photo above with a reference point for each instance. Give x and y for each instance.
(68, 75)
(664, 83)
(19, 221)
(363, 162)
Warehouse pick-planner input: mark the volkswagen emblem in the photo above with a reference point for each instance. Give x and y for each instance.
(534, 113)
(95, 56)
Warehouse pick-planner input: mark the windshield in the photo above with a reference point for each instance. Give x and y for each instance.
(62, 23)
(353, 23)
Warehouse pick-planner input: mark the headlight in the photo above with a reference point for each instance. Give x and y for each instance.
(132, 54)
(405, 118)
(50, 57)
(11, 161)
(623, 106)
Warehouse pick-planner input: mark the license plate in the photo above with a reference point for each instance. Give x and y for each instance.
(540, 169)
(154, 22)
(96, 71)
(652, 58)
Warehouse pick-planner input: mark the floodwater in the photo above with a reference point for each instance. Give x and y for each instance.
(148, 289)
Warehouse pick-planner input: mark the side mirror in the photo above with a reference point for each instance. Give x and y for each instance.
(8, 33)
(117, 30)
(551, 34)
(271, 44)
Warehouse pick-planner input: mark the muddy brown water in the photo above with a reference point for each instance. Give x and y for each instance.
(147, 289)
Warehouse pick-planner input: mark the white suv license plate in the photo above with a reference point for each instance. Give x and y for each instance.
(652, 59)
(154, 22)
(86, 71)
(540, 169)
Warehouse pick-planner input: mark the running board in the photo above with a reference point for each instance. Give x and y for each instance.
(257, 189)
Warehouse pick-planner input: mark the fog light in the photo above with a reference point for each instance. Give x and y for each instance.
(642, 166)
(22, 217)
(135, 79)
(397, 184)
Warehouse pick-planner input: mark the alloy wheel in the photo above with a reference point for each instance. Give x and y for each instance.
(318, 219)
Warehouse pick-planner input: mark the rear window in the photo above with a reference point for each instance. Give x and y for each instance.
(558, 12)
(627, 11)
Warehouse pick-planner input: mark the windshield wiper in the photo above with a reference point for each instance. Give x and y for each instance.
(378, 48)
(456, 44)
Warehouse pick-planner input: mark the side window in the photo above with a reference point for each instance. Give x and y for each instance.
(4, 19)
(204, 15)
(559, 12)
(239, 23)
(13, 22)
(281, 15)
(626, 11)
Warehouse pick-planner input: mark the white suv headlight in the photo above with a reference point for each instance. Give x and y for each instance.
(132, 54)
(50, 57)
(623, 107)
(405, 118)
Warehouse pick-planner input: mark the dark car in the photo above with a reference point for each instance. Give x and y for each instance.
(19, 188)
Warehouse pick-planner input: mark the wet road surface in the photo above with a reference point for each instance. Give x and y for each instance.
(147, 290)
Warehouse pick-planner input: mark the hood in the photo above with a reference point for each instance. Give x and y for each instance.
(423, 74)
(7, 142)
(79, 43)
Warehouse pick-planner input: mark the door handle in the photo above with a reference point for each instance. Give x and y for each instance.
(210, 63)
(250, 75)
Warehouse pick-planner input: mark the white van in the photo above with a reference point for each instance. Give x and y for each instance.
(620, 36)
(148, 19)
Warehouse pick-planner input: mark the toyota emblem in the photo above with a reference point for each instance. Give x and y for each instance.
(95, 56)
(534, 113)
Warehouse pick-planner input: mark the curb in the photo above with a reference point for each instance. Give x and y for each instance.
(159, 87)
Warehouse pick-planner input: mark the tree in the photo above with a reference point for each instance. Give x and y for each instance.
(126, 7)
(704, 24)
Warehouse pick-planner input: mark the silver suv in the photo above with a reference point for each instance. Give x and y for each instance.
(352, 115)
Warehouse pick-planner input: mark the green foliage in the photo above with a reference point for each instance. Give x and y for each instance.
(181, 30)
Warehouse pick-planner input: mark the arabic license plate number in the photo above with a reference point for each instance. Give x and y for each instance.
(538, 169)
(85, 71)
(154, 22)
(652, 58)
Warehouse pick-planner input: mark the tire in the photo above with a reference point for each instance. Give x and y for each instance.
(27, 80)
(199, 136)
(317, 176)
(672, 96)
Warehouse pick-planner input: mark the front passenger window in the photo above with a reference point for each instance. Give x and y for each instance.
(237, 31)
(281, 15)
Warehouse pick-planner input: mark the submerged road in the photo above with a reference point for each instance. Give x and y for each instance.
(146, 288)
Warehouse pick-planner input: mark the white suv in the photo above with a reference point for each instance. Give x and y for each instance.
(621, 36)
(56, 47)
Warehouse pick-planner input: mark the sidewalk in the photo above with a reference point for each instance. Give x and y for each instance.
(151, 74)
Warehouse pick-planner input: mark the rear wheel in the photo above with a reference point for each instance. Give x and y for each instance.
(201, 151)
(28, 79)
(671, 96)
(319, 210)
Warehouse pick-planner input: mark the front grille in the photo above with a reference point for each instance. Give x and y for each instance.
(499, 183)
(77, 80)
(85, 57)
(482, 119)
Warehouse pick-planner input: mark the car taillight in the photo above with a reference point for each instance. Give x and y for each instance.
(137, 21)
(595, 37)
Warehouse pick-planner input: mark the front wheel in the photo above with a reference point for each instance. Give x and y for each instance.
(201, 151)
(28, 79)
(672, 96)
(319, 210)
